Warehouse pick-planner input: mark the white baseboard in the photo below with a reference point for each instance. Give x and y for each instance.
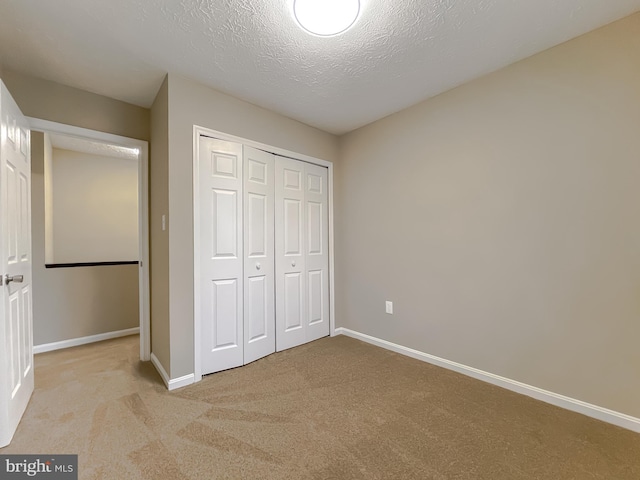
(594, 411)
(74, 342)
(171, 383)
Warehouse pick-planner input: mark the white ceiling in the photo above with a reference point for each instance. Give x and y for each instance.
(398, 53)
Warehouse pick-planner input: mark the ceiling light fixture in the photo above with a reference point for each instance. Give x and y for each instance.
(326, 17)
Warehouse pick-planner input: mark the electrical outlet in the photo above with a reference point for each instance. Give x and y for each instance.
(388, 307)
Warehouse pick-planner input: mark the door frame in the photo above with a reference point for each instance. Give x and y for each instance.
(143, 210)
(207, 132)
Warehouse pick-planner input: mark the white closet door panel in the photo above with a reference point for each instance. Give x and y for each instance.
(292, 227)
(221, 273)
(256, 224)
(315, 216)
(290, 257)
(224, 318)
(257, 327)
(259, 251)
(225, 217)
(293, 302)
(316, 296)
(316, 252)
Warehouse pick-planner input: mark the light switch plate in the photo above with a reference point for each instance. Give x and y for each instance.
(388, 307)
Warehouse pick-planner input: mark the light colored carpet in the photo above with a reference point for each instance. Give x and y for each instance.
(333, 409)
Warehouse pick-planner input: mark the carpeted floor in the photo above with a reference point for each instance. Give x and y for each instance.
(333, 409)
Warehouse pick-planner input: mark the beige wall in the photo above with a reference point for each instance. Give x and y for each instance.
(193, 104)
(52, 101)
(159, 206)
(95, 208)
(502, 219)
(71, 303)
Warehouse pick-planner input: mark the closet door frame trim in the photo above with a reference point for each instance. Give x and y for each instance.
(207, 132)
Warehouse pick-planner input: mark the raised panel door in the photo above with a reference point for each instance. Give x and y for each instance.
(259, 254)
(16, 321)
(221, 268)
(290, 255)
(316, 252)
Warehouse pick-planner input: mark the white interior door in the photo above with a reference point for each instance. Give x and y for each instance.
(221, 272)
(317, 252)
(16, 334)
(259, 266)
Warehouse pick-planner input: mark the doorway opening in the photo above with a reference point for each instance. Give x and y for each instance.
(90, 236)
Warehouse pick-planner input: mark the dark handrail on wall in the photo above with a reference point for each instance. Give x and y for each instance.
(88, 264)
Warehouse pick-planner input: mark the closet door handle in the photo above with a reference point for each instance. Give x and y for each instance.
(258, 266)
(293, 264)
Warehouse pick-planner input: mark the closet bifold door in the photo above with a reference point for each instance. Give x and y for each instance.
(259, 254)
(290, 267)
(221, 269)
(317, 251)
(302, 260)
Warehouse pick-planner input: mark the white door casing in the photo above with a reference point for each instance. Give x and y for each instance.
(38, 124)
(317, 252)
(221, 270)
(259, 266)
(16, 322)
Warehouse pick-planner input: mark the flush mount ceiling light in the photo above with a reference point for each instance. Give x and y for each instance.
(326, 17)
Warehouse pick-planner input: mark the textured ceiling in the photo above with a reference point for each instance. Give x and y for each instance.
(398, 53)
